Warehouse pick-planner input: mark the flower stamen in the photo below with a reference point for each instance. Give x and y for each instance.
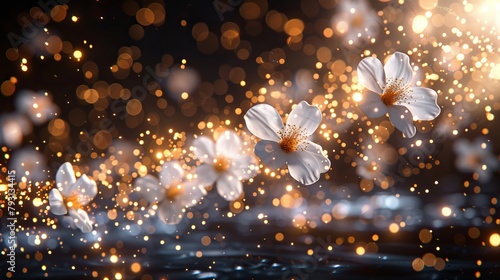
(72, 201)
(173, 192)
(292, 138)
(221, 164)
(396, 91)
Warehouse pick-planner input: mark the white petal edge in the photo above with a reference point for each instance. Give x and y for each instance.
(304, 167)
(398, 66)
(85, 188)
(423, 105)
(305, 116)
(206, 175)
(56, 202)
(263, 121)
(229, 187)
(204, 149)
(170, 213)
(193, 193)
(65, 178)
(402, 119)
(371, 74)
(244, 166)
(228, 144)
(317, 151)
(81, 219)
(270, 153)
(171, 173)
(150, 188)
(372, 105)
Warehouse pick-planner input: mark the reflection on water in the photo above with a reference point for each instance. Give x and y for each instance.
(362, 244)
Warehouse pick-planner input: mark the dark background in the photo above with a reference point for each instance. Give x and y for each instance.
(249, 249)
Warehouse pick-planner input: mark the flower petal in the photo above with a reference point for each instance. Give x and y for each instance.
(150, 188)
(423, 104)
(229, 187)
(81, 219)
(244, 166)
(317, 151)
(263, 121)
(228, 144)
(491, 162)
(193, 193)
(270, 153)
(85, 188)
(171, 173)
(372, 105)
(461, 146)
(305, 116)
(170, 212)
(483, 175)
(398, 66)
(206, 174)
(204, 149)
(56, 202)
(304, 167)
(467, 163)
(402, 119)
(371, 74)
(65, 178)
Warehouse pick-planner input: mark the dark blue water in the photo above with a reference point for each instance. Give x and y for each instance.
(245, 247)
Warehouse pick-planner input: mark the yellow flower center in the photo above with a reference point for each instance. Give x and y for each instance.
(72, 201)
(173, 192)
(396, 91)
(473, 160)
(221, 164)
(292, 138)
(357, 20)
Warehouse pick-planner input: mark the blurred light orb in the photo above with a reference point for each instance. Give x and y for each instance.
(428, 4)
(446, 211)
(419, 24)
(181, 81)
(495, 72)
(342, 27)
(341, 210)
(357, 97)
(304, 79)
(495, 239)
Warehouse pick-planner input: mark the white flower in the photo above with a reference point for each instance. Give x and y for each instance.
(172, 192)
(37, 106)
(390, 91)
(288, 144)
(476, 157)
(71, 195)
(30, 165)
(13, 127)
(356, 22)
(223, 163)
